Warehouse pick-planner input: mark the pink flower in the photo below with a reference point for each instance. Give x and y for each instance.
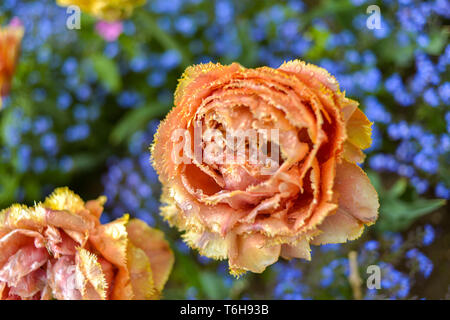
(15, 23)
(109, 31)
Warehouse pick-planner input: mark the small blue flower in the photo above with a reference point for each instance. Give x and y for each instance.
(371, 245)
(129, 99)
(157, 78)
(444, 92)
(170, 59)
(42, 124)
(39, 164)
(442, 191)
(64, 101)
(49, 143)
(428, 236)
(77, 132)
(70, 66)
(185, 25)
(431, 97)
(66, 164)
(424, 263)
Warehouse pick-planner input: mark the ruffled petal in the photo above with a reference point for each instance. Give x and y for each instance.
(95, 285)
(209, 244)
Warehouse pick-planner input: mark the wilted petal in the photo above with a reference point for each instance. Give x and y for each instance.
(29, 285)
(13, 241)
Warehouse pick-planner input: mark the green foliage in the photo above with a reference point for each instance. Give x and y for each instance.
(134, 120)
(107, 72)
(400, 206)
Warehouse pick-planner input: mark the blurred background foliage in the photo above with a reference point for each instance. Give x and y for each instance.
(83, 111)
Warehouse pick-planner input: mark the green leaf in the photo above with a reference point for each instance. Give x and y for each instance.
(320, 38)
(86, 161)
(134, 120)
(398, 215)
(107, 72)
(398, 188)
(249, 47)
(8, 186)
(437, 43)
(399, 206)
(213, 286)
(376, 181)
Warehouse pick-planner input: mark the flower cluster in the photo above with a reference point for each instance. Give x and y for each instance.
(400, 259)
(131, 183)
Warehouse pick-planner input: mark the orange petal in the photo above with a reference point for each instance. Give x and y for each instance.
(353, 153)
(299, 250)
(10, 39)
(251, 253)
(96, 206)
(199, 75)
(338, 228)
(356, 194)
(359, 130)
(157, 249)
(311, 72)
(141, 277)
(111, 240)
(358, 206)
